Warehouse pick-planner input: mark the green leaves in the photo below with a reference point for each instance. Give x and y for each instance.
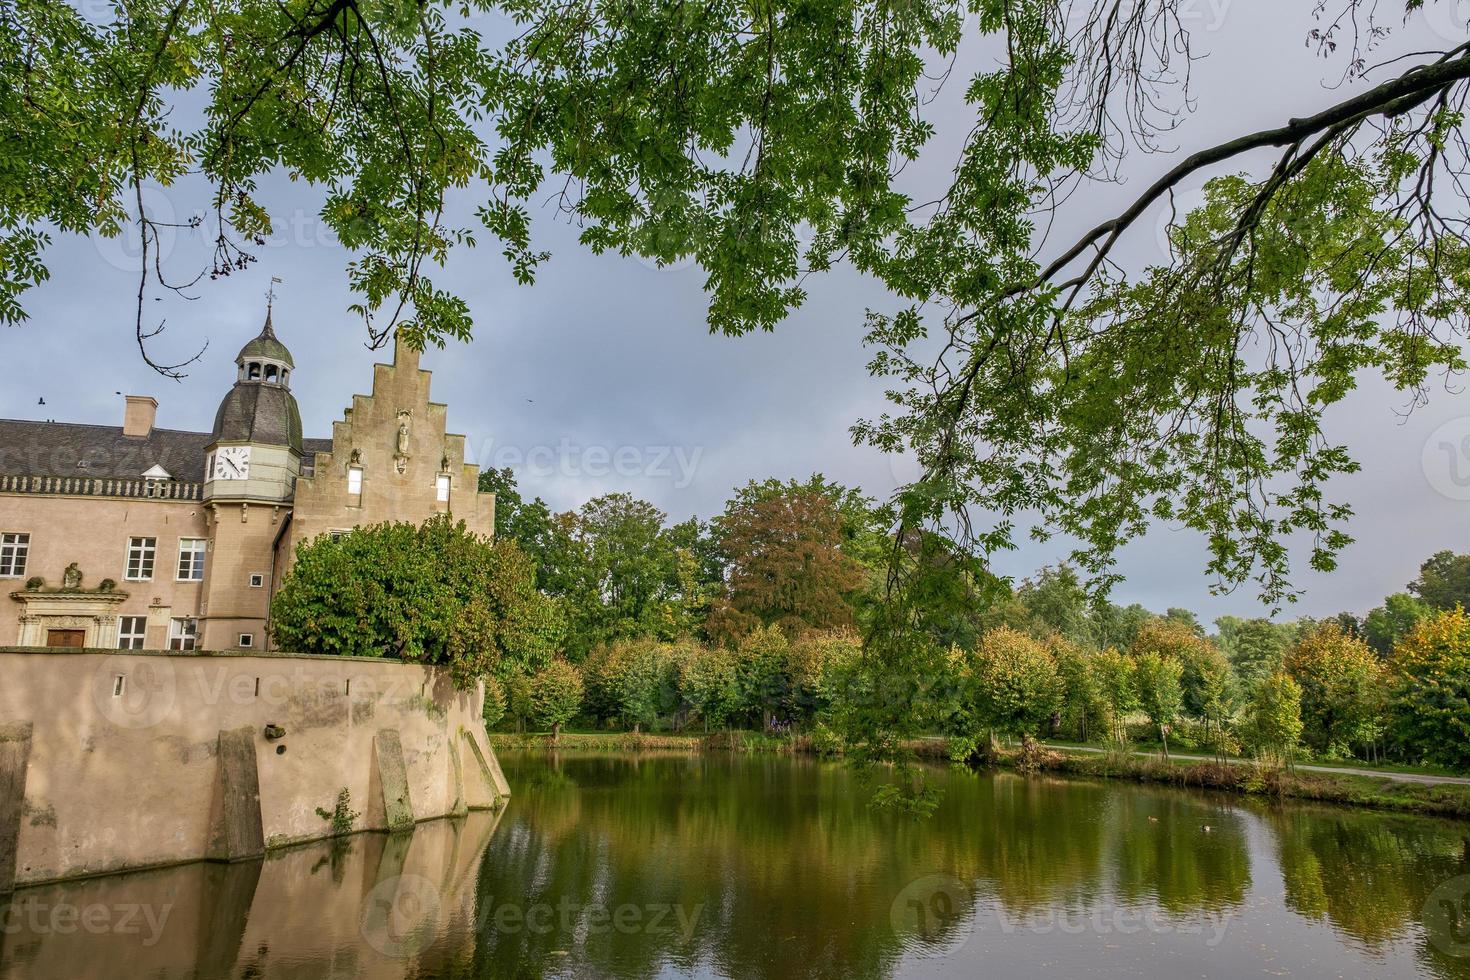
(434, 594)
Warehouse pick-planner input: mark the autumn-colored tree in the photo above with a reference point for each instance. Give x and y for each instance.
(785, 563)
(556, 696)
(1013, 683)
(1342, 684)
(1431, 695)
(1273, 717)
(1083, 710)
(817, 660)
(1160, 693)
(1204, 678)
(1117, 683)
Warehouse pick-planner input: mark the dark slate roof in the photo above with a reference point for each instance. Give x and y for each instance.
(266, 345)
(56, 449)
(67, 449)
(260, 413)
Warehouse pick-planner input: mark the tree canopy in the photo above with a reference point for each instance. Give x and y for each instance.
(1033, 379)
(768, 145)
(433, 593)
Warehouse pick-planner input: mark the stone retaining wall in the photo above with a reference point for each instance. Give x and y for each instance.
(114, 760)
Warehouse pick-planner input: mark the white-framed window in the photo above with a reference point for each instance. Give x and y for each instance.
(338, 533)
(14, 548)
(183, 633)
(191, 559)
(441, 487)
(257, 580)
(141, 552)
(132, 632)
(247, 640)
(354, 479)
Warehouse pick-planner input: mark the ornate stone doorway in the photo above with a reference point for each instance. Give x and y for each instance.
(68, 619)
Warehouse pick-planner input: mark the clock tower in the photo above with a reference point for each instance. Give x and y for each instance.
(251, 466)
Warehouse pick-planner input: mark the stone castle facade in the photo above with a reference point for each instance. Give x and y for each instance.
(136, 537)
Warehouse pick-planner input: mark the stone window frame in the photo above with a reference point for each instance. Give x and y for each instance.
(183, 633)
(247, 641)
(354, 473)
(135, 639)
(257, 580)
(196, 562)
(15, 553)
(145, 561)
(443, 485)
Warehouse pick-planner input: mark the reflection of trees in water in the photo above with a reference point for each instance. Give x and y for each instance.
(1367, 874)
(796, 876)
(1160, 850)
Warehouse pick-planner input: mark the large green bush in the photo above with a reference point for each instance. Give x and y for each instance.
(433, 594)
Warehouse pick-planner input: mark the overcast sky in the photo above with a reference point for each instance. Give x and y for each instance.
(602, 375)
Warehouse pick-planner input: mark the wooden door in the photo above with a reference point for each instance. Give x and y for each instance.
(66, 638)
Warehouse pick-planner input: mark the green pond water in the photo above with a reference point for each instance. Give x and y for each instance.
(768, 866)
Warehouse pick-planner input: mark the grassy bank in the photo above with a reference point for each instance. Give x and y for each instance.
(1243, 778)
(1446, 800)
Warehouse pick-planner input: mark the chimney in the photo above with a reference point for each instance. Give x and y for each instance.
(139, 415)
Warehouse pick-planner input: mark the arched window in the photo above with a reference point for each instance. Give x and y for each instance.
(270, 372)
(252, 373)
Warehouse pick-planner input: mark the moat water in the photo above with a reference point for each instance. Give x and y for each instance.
(768, 866)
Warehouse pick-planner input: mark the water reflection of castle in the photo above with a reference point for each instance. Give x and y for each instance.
(367, 906)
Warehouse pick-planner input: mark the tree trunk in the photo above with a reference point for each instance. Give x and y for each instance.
(555, 732)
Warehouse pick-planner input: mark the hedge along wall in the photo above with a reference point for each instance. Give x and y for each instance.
(113, 760)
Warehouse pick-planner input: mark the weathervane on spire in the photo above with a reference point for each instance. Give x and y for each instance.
(270, 294)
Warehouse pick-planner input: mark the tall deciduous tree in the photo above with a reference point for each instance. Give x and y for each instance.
(1117, 682)
(1160, 693)
(1444, 581)
(555, 696)
(1431, 694)
(787, 562)
(1386, 625)
(1014, 687)
(1273, 717)
(1343, 690)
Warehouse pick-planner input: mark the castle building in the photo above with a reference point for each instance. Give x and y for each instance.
(136, 537)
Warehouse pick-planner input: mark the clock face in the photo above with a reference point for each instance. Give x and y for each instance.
(232, 463)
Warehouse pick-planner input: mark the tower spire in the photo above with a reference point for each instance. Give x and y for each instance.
(270, 300)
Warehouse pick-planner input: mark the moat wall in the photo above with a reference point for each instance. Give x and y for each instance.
(111, 761)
